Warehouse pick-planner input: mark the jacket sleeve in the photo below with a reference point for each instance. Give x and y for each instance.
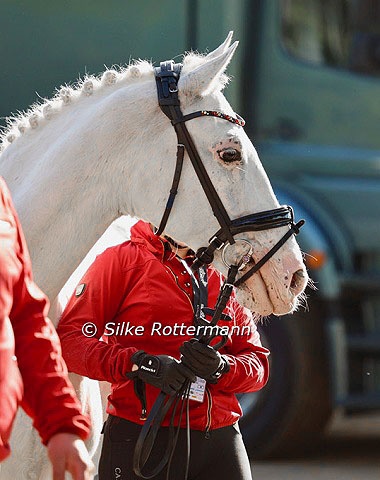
(11, 386)
(248, 359)
(94, 304)
(49, 397)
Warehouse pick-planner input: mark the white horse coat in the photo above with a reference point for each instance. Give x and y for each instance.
(104, 149)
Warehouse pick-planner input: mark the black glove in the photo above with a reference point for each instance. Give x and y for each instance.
(203, 360)
(162, 371)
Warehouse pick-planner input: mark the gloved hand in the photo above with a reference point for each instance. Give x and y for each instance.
(203, 360)
(162, 371)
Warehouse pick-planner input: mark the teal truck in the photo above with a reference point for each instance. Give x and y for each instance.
(307, 80)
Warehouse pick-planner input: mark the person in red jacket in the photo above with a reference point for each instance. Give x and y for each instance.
(32, 371)
(131, 319)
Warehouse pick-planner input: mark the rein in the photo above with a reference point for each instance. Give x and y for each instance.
(167, 76)
(163, 403)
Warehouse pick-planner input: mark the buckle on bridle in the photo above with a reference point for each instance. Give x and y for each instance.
(217, 242)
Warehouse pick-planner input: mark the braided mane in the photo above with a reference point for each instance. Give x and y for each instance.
(40, 112)
(66, 95)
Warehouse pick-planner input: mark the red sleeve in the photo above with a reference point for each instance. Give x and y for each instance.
(248, 359)
(96, 302)
(49, 397)
(11, 387)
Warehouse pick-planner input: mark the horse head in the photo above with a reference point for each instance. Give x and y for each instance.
(248, 233)
(105, 148)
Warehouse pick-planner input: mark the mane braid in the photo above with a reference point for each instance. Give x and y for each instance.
(43, 111)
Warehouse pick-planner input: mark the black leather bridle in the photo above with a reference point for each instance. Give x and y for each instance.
(167, 76)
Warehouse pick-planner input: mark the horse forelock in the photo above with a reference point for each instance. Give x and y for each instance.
(71, 94)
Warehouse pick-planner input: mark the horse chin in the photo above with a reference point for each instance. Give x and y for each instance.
(253, 295)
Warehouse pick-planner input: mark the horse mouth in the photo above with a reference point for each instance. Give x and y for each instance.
(263, 298)
(254, 295)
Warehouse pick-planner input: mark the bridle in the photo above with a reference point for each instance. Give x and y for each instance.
(167, 76)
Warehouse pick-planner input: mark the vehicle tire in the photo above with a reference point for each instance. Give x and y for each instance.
(289, 415)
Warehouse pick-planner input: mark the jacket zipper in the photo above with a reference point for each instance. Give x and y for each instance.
(209, 407)
(208, 393)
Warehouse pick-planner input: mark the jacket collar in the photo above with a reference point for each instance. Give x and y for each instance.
(142, 233)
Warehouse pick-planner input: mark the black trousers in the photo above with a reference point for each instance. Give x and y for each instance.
(222, 455)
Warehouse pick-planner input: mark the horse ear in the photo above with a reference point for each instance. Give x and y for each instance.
(208, 76)
(222, 48)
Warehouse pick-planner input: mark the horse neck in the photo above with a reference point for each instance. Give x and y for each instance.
(73, 187)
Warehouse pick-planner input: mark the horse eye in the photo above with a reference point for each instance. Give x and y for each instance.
(229, 155)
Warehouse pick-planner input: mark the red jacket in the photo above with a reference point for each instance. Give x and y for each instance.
(140, 283)
(31, 367)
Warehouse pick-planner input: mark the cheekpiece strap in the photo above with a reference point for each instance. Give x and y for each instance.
(167, 75)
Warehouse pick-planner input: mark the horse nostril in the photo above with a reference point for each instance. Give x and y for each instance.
(298, 280)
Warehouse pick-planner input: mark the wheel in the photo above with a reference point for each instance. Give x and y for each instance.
(288, 416)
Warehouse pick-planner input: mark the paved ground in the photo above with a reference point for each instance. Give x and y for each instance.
(351, 451)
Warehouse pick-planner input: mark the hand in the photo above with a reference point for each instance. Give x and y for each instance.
(162, 371)
(67, 452)
(203, 360)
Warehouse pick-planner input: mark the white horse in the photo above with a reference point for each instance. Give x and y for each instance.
(102, 149)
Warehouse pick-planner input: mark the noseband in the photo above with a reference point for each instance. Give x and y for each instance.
(167, 76)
